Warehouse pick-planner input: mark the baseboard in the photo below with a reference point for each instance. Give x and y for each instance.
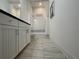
(67, 54)
(21, 50)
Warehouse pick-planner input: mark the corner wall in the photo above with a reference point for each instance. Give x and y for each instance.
(64, 26)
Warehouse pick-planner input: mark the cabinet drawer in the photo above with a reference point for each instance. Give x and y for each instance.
(4, 19)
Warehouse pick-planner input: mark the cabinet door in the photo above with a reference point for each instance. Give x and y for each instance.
(22, 38)
(9, 42)
(28, 33)
(1, 43)
(28, 36)
(13, 48)
(5, 42)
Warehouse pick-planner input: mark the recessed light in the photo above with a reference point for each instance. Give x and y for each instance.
(19, 5)
(40, 4)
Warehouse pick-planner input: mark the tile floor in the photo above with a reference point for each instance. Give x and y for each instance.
(41, 48)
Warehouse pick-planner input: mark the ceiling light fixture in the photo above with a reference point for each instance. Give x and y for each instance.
(19, 5)
(40, 4)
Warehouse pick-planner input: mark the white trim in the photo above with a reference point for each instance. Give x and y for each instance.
(65, 52)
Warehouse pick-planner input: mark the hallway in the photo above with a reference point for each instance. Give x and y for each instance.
(41, 48)
(58, 19)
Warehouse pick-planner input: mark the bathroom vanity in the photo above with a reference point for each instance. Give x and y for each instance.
(14, 35)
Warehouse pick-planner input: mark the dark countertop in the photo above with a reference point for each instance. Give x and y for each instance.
(8, 14)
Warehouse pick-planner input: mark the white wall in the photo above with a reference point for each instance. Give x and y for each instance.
(29, 7)
(4, 5)
(23, 9)
(15, 11)
(64, 26)
(26, 10)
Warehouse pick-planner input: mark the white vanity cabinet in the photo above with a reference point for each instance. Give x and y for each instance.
(13, 35)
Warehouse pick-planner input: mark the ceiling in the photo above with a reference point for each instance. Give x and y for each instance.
(35, 3)
(18, 1)
(38, 0)
(35, 6)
